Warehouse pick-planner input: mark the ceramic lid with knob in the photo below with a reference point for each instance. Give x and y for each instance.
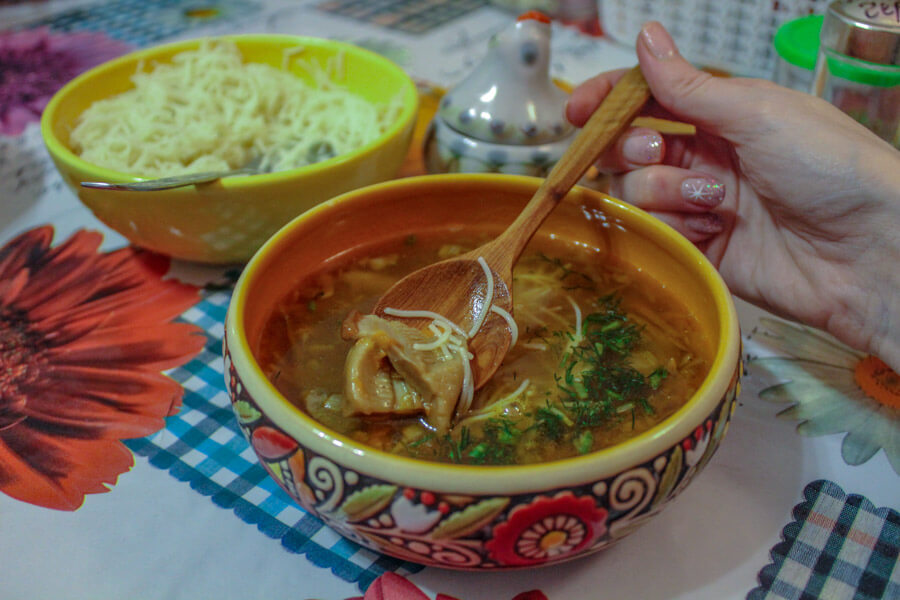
(509, 98)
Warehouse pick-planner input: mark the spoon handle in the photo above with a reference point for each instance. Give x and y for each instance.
(167, 183)
(610, 119)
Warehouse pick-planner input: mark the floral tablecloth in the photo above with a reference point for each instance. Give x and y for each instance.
(124, 475)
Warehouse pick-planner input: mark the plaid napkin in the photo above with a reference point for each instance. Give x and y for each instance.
(203, 446)
(838, 547)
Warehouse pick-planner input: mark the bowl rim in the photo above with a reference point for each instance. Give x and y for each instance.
(483, 479)
(63, 153)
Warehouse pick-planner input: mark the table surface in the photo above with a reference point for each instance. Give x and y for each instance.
(781, 511)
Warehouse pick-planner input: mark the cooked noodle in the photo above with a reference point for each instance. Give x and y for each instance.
(208, 110)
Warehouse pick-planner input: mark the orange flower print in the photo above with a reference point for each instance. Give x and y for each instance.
(83, 338)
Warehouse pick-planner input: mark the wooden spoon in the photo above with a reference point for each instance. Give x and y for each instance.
(457, 288)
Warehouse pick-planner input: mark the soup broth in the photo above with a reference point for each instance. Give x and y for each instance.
(603, 353)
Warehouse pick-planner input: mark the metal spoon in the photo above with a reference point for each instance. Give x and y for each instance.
(176, 181)
(456, 288)
(316, 152)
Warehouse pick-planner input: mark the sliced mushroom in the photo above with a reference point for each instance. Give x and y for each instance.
(386, 375)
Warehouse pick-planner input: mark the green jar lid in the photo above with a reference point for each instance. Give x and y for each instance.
(797, 41)
(861, 42)
(864, 72)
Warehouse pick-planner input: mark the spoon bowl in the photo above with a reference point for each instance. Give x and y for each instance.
(464, 289)
(470, 295)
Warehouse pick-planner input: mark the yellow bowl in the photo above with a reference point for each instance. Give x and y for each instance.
(227, 221)
(493, 517)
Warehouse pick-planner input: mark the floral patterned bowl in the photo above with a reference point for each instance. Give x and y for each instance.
(228, 220)
(477, 517)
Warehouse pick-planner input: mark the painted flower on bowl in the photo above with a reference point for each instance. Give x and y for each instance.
(35, 63)
(834, 389)
(548, 529)
(283, 458)
(83, 338)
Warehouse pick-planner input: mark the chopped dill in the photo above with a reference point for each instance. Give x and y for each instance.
(596, 389)
(656, 377)
(455, 448)
(551, 422)
(498, 444)
(584, 442)
(311, 305)
(539, 333)
(446, 445)
(586, 281)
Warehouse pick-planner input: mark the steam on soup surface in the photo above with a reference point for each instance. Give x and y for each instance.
(603, 354)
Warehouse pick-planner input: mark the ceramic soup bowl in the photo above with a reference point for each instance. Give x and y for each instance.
(464, 516)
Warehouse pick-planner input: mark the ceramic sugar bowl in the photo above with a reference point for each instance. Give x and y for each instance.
(507, 115)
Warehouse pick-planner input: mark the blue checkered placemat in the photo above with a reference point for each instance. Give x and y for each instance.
(203, 446)
(409, 16)
(143, 23)
(839, 546)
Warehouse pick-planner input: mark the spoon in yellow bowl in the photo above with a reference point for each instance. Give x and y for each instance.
(316, 152)
(474, 290)
(168, 183)
(176, 181)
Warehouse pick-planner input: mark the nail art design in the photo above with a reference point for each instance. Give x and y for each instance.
(645, 149)
(703, 191)
(710, 223)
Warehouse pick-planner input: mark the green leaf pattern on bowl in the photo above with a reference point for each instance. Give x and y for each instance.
(369, 501)
(469, 520)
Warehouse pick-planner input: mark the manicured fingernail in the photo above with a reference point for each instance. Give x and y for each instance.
(658, 40)
(705, 223)
(703, 191)
(643, 149)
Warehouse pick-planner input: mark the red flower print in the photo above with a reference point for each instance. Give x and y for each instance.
(34, 64)
(391, 586)
(547, 528)
(83, 338)
(530, 595)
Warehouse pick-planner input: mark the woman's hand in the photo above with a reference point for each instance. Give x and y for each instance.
(796, 204)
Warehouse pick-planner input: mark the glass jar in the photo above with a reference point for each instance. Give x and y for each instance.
(858, 64)
(797, 45)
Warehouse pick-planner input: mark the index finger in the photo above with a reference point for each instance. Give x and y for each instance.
(588, 95)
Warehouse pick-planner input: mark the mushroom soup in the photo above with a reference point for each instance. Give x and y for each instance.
(603, 353)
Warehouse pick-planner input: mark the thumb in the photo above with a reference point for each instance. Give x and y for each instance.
(712, 103)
